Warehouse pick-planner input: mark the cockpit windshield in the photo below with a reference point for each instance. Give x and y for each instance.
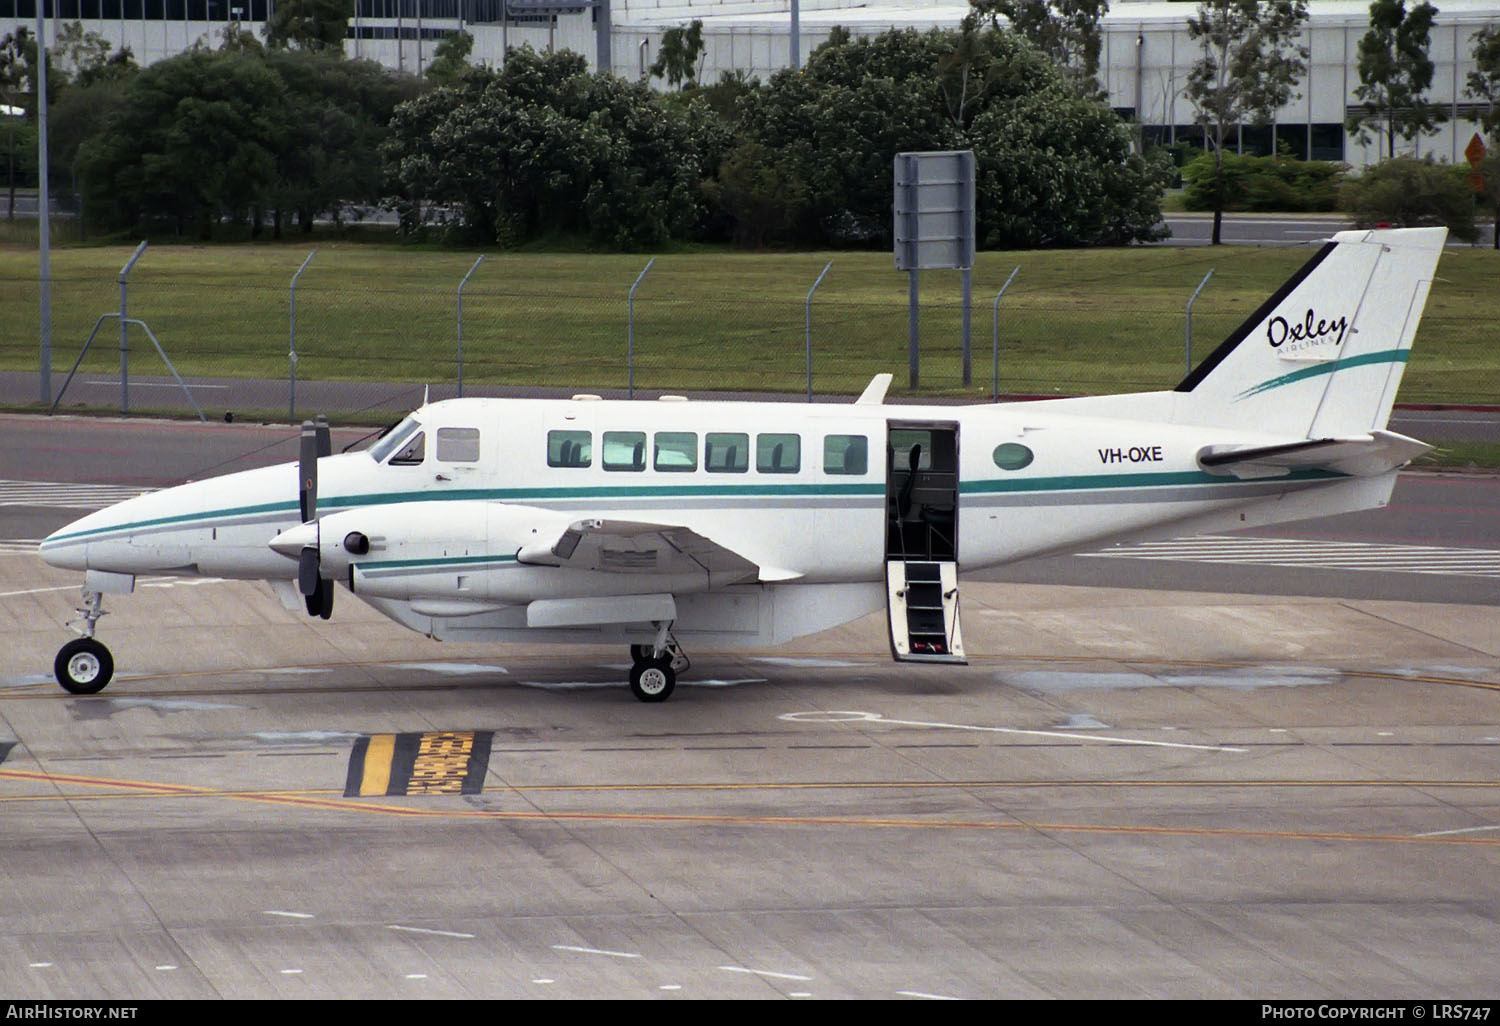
(394, 439)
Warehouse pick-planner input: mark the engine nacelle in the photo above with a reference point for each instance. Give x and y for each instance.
(438, 550)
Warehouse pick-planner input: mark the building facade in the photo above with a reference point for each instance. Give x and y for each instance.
(1144, 64)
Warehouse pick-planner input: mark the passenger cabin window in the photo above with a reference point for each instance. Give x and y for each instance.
(846, 454)
(570, 448)
(458, 445)
(675, 452)
(624, 450)
(412, 453)
(725, 452)
(778, 454)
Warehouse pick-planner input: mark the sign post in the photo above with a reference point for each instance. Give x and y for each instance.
(934, 227)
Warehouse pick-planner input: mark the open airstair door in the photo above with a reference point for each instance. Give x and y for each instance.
(921, 546)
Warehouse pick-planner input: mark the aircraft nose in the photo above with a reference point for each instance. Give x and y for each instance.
(65, 548)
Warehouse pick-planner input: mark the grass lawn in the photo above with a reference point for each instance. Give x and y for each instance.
(1074, 321)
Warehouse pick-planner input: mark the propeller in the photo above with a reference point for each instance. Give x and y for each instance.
(317, 441)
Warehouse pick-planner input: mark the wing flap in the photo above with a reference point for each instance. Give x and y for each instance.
(626, 546)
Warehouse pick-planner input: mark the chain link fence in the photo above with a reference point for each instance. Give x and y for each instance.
(373, 327)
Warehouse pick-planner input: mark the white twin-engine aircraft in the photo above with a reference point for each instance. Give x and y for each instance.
(739, 524)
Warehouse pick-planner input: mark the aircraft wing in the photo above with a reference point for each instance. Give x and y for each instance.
(1361, 456)
(625, 546)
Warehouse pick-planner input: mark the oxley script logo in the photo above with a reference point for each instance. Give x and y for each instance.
(1307, 333)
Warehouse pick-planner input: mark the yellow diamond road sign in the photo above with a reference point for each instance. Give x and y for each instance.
(1475, 150)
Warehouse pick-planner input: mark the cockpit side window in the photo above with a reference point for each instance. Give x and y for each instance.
(458, 445)
(412, 453)
(394, 439)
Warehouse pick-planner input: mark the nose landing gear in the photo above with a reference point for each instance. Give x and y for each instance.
(84, 666)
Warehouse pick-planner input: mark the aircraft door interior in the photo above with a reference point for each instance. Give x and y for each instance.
(921, 548)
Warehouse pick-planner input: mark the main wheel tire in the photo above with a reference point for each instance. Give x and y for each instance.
(653, 681)
(83, 666)
(641, 653)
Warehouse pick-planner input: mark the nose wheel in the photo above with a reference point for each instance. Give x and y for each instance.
(83, 666)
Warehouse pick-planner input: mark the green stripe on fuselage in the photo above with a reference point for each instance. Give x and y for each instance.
(1067, 483)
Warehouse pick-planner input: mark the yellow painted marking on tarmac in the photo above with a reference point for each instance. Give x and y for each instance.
(378, 756)
(442, 763)
(312, 800)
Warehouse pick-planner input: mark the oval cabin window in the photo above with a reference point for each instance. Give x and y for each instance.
(1012, 456)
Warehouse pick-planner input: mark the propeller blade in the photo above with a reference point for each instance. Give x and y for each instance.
(324, 436)
(307, 471)
(307, 571)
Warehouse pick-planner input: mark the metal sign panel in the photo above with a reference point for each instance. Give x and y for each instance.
(934, 210)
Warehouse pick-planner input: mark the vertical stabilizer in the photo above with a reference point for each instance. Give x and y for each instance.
(1323, 357)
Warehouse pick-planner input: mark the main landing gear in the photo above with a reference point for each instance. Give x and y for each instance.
(84, 666)
(654, 668)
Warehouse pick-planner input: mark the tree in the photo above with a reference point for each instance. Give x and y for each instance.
(1053, 167)
(1484, 84)
(18, 87)
(1409, 192)
(1394, 73)
(14, 72)
(678, 60)
(1065, 30)
(196, 136)
(328, 157)
(450, 60)
(319, 26)
(544, 146)
(1250, 65)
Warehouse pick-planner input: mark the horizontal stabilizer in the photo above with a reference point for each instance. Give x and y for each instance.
(1364, 456)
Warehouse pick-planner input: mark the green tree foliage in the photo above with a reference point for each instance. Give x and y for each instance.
(1395, 73)
(1484, 81)
(1484, 84)
(1065, 30)
(677, 61)
(1407, 192)
(317, 26)
(450, 60)
(1053, 167)
(1264, 183)
(1250, 65)
(337, 116)
(208, 135)
(546, 146)
(197, 133)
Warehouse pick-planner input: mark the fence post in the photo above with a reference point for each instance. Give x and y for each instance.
(1189, 328)
(124, 329)
(996, 343)
(292, 355)
(808, 319)
(630, 350)
(461, 323)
